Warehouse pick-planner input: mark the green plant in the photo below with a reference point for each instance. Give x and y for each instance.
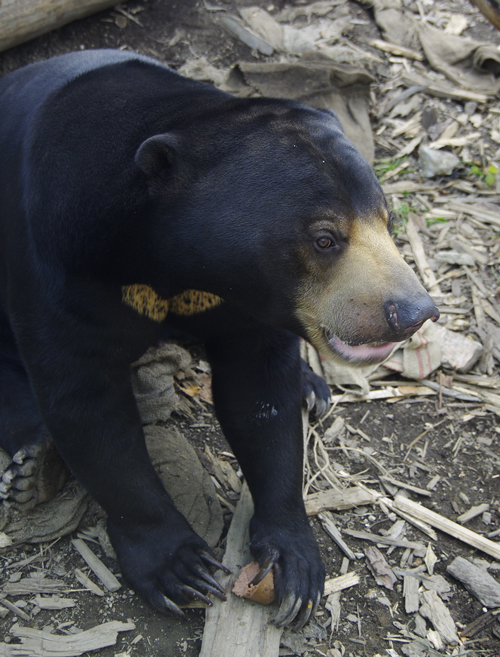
(436, 220)
(401, 213)
(386, 164)
(485, 174)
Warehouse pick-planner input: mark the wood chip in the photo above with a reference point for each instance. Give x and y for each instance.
(430, 559)
(336, 584)
(477, 581)
(96, 565)
(331, 529)
(53, 602)
(88, 583)
(473, 512)
(447, 526)
(379, 568)
(331, 500)
(410, 592)
(434, 609)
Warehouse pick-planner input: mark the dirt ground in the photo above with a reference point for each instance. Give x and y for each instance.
(466, 454)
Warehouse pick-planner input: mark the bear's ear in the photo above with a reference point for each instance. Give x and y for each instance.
(157, 154)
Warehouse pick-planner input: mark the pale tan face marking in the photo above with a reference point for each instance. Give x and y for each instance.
(349, 298)
(144, 300)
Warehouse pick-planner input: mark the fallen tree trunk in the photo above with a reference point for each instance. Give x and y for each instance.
(21, 20)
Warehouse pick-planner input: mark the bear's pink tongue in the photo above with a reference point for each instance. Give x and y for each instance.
(363, 353)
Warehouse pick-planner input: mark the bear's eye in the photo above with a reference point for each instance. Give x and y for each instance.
(324, 242)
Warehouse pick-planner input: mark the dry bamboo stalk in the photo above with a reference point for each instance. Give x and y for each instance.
(447, 526)
(22, 20)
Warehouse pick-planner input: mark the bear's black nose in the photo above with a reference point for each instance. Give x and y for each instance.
(405, 316)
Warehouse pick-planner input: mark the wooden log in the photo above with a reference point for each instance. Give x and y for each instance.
(239, 628)
(22, 20)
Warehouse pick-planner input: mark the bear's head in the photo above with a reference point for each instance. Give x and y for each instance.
(267, 204)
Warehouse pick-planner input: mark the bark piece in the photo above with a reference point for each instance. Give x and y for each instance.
(379, 568)
(478, 624)
(476, 580)
(434, 609)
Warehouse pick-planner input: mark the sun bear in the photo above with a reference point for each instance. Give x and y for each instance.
(133, 200)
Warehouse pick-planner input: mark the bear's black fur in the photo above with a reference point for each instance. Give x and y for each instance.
(132, 199)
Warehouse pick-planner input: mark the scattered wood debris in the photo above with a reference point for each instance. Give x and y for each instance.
(42, 643)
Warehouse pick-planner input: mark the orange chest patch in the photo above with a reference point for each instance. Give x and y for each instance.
(144, 300)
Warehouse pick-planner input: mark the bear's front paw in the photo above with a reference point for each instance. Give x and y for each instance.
(299, 574)
(315, 391)
(166, 566)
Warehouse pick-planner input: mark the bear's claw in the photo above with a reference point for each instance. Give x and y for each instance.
(315, 392)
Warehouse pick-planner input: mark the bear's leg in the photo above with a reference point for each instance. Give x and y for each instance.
(36, 472)
(257, 396)
(82, 384)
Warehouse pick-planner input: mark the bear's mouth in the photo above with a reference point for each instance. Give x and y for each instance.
(362, 354)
